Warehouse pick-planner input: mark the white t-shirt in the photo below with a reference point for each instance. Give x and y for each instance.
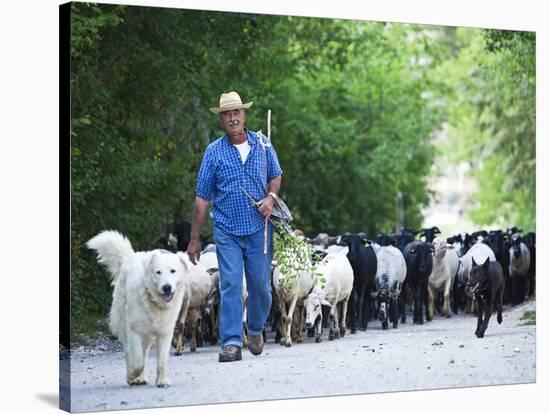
(244, 149)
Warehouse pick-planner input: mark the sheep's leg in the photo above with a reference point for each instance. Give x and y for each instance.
(299, 324)
(353, 311)
(417, 305)
(215, 325)
(302, 321)
(193, 323)
(395, 310)
(446, 299)
(318, 328)
(426, 302)
(336, 318)
(289, 320)
(500, 297)
(402, 305)
(343, 317)
(331, 333)
(431, 293)
(361, 309)
(245, 330)
(282, 323)
(421, 302)
(181, 330)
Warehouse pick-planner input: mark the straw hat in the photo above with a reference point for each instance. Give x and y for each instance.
(230, 101)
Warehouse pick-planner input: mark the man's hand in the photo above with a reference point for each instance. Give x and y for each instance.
(266, 206)
(194, 250)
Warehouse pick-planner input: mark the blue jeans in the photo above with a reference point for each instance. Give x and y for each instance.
(233, 253)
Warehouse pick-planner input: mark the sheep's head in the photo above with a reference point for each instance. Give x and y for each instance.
(440, 247)
(312, 306)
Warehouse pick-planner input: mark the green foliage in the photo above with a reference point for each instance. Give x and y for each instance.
(293, 257)
(529, 318)
(354, 107)
(491, 112)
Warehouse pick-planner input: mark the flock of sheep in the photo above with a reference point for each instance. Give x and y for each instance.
(365, 280)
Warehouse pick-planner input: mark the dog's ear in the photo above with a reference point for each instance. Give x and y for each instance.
(149, 262)
(486, 264)
(474, 262)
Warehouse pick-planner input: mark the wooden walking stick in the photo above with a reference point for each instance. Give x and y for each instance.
(266, 182)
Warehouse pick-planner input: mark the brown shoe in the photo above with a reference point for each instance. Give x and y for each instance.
(230, 353)
(256, 344)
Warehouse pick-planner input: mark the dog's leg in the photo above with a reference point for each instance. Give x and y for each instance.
(488, 312)
(146, 344)
(135, 363)
(480, 309)
(163, 349)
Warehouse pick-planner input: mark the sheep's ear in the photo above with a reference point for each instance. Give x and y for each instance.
(474, 262)
(212, 270)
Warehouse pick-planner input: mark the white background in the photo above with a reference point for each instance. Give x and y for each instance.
(29, 216)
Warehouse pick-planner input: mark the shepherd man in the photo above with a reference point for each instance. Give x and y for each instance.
(239, 166)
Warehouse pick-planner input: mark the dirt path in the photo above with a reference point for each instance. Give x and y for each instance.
(443, 353)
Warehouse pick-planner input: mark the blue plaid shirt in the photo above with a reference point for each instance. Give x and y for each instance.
(222, 174)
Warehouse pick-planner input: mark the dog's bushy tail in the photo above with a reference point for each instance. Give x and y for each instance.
(112, 250)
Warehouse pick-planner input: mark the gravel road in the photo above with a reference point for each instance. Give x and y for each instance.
(441, 354)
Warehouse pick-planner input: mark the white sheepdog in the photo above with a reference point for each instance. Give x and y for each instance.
(148, 292)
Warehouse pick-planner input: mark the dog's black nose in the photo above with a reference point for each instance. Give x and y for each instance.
(167, 288)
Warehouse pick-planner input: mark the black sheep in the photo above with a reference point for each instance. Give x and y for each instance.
(363, 261)
(418, 257)
(429, 234)
(500, 243)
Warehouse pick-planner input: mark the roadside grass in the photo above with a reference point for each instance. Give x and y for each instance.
(529, 317)
(88, 327)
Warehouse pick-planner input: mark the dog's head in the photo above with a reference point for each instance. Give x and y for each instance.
(479, 276)
(165, 273)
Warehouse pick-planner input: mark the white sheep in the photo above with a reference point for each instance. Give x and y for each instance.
(291, 296)
(479, 252)
(199, 288)
(337, 274)
(520, 259)
(390, 274)
(444, 269)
